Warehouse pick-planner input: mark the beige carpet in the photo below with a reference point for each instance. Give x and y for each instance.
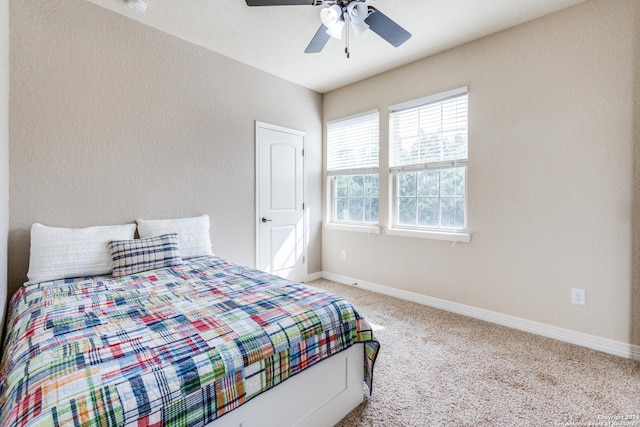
(441, 369)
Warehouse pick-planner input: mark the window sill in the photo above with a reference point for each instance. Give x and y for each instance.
(461, 236)
(370, 229)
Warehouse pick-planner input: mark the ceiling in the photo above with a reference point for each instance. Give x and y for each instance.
(273, 39)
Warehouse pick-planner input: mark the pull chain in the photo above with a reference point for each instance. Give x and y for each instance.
(345, 14)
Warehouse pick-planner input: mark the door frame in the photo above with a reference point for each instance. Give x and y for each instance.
(263, 125)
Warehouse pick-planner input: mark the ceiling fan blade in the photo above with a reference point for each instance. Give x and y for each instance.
(280, 2)
(318, 41)
(383, 26)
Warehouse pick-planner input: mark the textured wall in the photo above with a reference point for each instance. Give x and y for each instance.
(112, 121)
(635, 297)
(553, 105)
(4, 150)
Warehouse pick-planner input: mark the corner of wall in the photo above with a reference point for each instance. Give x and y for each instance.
(4, 152)
(635, 290)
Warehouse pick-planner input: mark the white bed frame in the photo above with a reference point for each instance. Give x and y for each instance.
(318, 396)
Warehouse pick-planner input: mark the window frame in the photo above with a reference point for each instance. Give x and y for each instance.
(408, 230)
(331, 174)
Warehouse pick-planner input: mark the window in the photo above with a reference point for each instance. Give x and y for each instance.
(352, 169)
(428, 163)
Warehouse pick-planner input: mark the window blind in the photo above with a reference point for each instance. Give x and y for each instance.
(352, 145)
(430, 132)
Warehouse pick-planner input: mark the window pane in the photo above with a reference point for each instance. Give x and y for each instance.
(452, 182)
(428, 212)
(459, 221)
(429, 183)
(432, 198)
(356, 184)
(407, 184)
(371, 186)
(407, 210)
(452, 212)
(356, 198)
(371, 210)
(341, 183)
(356, 210)
(342, 209)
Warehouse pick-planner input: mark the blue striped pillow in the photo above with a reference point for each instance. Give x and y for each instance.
(134, 256)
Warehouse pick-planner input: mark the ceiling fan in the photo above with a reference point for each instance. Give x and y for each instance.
(341, 14)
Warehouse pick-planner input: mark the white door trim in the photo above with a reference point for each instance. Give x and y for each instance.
(262, 125)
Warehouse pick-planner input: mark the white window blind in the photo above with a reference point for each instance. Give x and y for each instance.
(429, 133)
(352, 145)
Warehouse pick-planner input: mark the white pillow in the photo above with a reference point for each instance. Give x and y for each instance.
(193, 233)
(60, 253)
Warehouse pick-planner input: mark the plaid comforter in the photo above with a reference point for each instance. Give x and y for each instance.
(175, 346)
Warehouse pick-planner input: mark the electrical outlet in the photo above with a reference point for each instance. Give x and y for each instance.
(578, 296)
(343, 255)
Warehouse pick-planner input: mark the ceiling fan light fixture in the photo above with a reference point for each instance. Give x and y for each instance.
(331, 18)
(358, 11)
(336, 30)
(359, 28)
(138, 5)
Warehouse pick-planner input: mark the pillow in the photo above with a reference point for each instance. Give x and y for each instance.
(60, 253)
(193, 233)
(134, 256)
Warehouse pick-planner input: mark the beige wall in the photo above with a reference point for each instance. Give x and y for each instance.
(551, 200)
(112, 121)
(635, 298)
(4, 150)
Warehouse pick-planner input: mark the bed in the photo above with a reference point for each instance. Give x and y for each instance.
(199, 341)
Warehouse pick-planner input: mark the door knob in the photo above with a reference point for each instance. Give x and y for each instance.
(265, 219)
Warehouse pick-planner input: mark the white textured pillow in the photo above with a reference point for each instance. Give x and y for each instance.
(193, 233)
(60, 253)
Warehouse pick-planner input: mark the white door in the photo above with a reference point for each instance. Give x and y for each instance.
(280, 222)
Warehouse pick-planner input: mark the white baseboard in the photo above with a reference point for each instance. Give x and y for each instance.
(314, 276)
(618, 348)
